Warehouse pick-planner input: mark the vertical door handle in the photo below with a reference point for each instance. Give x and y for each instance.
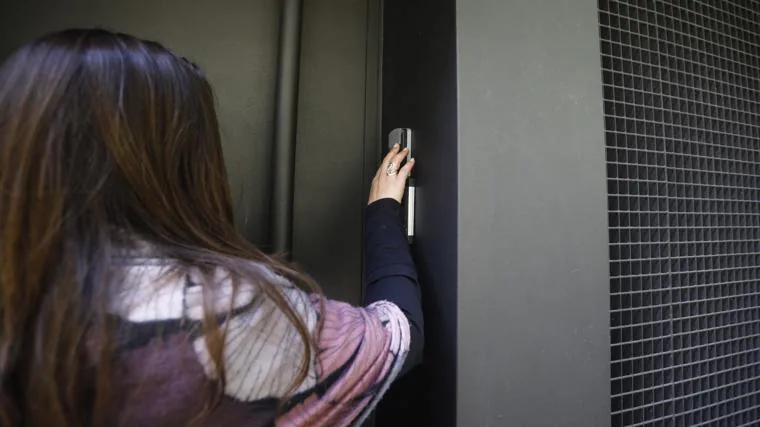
(405, 138)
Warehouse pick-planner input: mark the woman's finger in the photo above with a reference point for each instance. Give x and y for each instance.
(387, 159)
(398, 159)
(406, 170)
(391, 154)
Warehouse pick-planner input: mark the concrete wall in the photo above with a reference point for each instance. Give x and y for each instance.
(533, 339)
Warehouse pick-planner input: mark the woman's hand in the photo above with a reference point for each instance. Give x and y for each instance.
(390, 181)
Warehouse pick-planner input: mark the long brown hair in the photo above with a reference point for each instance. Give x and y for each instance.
(103, 134)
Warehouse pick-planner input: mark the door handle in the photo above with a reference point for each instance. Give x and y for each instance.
(404, 138)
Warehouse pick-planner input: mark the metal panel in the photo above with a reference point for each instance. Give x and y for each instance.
(419, 91)
(336, 93)
(681, 90)
(234, 41)
(533, 268)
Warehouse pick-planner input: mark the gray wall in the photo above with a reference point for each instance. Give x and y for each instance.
(533, 345)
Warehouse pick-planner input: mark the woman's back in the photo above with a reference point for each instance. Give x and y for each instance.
(128, 297)
(164, 361)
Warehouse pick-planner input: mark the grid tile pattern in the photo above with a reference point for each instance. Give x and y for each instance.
(682, 119)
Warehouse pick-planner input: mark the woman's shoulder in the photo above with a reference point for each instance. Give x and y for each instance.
(152, 288)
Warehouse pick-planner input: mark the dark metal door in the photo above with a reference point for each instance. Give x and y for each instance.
(420, 92)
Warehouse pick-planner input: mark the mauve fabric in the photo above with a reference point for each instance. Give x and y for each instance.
(162, 376)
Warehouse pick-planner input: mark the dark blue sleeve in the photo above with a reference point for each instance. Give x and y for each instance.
(390, 272)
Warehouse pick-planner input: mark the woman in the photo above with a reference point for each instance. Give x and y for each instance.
(127, 297)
